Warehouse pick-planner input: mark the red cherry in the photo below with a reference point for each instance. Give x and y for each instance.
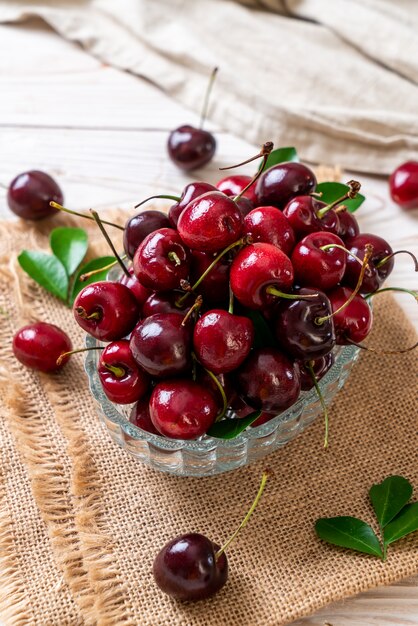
(189, 193)
(323, 269)
(123, 381)
(222, 341)
(376, 274)
(164, 302)
(182, 409)
(282, 182)
(354, 322)
(320, 367)
(233, 185)
(161, 261)
(141, 225)
(403, 185)
(348, 226)
(140, 416)
(30, 193)
(106, 310)
(140, 292)
(268, 225)
(39, 346)
(215, 286)
(256, 267)
(302, 215)
(189, 147)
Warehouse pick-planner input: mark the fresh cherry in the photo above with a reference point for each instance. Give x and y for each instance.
(161, 261)
(190, 148)
(161, 344)
(233, 185)
(182, 409)
(302, 213)
(268, 225)
(376, 273)
(314, 266)
(39, 346)
(123, 381)
(140, 292)
(245, 205)
(320, 367)
(222, 341)
(140, 416)
(354, 322)
(30, 193)
(215, 286)
(282, 182)
(141, 225)
(106, 310)
(403, 185)
(164, 302)
(189, 193)
(348, 225)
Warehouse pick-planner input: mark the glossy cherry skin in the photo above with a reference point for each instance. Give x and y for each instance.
(222, 341)
(186, 568)
(123, 381)
(233, 185)
(282, 182)
(182, 409)
(245, 205)
(354, 322)
(302, 215)
(108, 311)
(162, 261)
(140, 416)
(374, 277)
(189, 147)
(189, 193)
(320, 367)
(268, 380)
(403, 185)
(30, 193)
(315, 267)
(141, 225)
(257, 267)
(39, 345)
(348, 226)
(215, 286)
(140, 292)
(296, 327)
(165, 302)
(210, 223)
(268, 225)
(161, 345)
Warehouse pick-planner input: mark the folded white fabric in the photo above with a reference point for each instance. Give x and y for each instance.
(336, 78)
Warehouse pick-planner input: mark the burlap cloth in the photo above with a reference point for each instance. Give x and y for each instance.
(81, 521)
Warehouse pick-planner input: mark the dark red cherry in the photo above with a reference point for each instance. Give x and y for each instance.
(403, 185)
(234, 184)
(302, 215)
(161, 345)
(140, 416)
(140, 292)
(182, 409)
(256, 267)
(186, 568)
(141, 225)
(263, 419)
(226, 382)
(210, 223)
(39, 345)
(106, 310)
(315, 267)
(348, 226)
(30, 193)
(354, 322)
(268, 225)
(320, 367)
(165, 302)
(215, 286)
(282, 182)
(297, 329)
(189, 193)
(190, 148)
(162, 261)
(268, 380)
(376, 274)
(245, 205)
(222, 341)
(123, 381)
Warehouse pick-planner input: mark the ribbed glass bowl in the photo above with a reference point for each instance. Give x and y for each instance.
(207, 456)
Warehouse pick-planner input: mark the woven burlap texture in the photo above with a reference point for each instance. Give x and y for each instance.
(81, 521)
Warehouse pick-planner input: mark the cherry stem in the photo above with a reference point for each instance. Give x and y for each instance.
(231, 300)
(412, 293)
(289, 296)
(316, 194)
(354, 188)
(247, 517)
(198, 303)
(83, 314)
(390, 256)
(109, 241)
(341, 209)
(239, 242)
(55, 205)
(221, 391)
(309, 366)
(65, 354)
(161, 196)
(369, 251)
(266, 148)
(207, 96)
(84, 277)
(265, 151)
(328, 246)
(173, 257)
(119, 372)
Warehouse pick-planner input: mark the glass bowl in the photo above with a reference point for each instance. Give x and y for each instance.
(207, 456)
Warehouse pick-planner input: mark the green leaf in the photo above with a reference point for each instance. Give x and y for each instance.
(281, 155)
(333, 191)
(263, 337)
(70, 246)
(95, 264)
(231, 428)
(389, 496)
(349, 532)
(46, 270)
(403, 524)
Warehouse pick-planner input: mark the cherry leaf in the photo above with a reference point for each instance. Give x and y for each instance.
(231, 428)
(46, 270)
(70, 246)
(333, 191)
(349, 532)
(95, 264)
(403, 524)
(389, 497)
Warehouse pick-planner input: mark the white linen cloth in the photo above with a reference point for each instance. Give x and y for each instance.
(338, 79)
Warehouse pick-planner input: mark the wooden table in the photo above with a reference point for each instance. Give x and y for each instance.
(102, 134)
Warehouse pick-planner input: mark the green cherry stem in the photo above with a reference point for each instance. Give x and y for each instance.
(65, 354)
(328, 246)
(96, 315)
(289, 296)
(221, 391)
(411, 292)
(87, 275)
(231, 300)
(160, 196)
(119, 372)
(390, 256)
(198, 303)
(322, 401)
(109, 241)
(247, 517)
(204, 113)
(55, 205)
(354, 188)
